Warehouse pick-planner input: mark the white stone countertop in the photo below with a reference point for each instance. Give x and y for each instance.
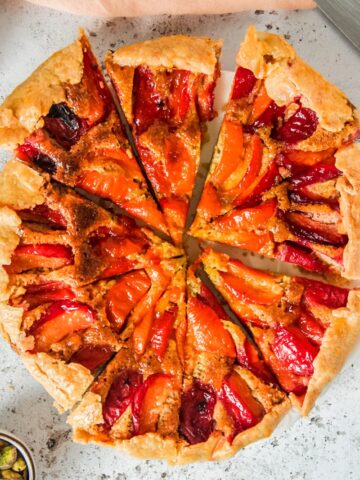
(323, 446)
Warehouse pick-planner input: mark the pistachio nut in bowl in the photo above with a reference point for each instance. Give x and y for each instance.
(16, 462)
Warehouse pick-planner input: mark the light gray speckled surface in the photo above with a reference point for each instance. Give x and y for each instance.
(324, 446)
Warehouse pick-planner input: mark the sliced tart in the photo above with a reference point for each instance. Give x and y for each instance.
(283, 178)
(55, 246)
(58, 228)
(65, 333)
(62, 120)
(134, 404)
(166, 90)
(226, 403)
(156, 406)
(305, 329)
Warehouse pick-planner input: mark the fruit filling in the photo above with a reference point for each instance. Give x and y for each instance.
(315, 174)
(196, 412)
(149, 106)
(117, 248)
(311, 328)
(304, 227)
(124, 191)
(208, 330)
(167, 96)
(124, 295)
(48, 292)
(99, 99)
(51, 255)
(44, 214)
(303, 256)
(242, 407)
(244, 82)
(294, 351)
(269, 116)
(248, 356)
(63, 125)
(300, 126)
(146, 399)
(149, 400)
(323, 294)
(251, 286)
(59, 320)
(92, 356)
(161, 330)
(32, 154)
(270, 153)
(120, 395)
(208, 298)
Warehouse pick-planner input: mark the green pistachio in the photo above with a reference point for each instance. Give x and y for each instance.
(19, 465)
(8, 456)
(11, 475)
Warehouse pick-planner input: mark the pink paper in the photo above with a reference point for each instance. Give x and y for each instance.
(133, 8)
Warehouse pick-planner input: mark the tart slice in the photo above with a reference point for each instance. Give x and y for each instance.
(58, 228)
(62, 120)
(226, 403)
(304, 328)
(134, 404)
(166, 90)
(283, 178)
(61, 332)
(52, 243)
(65, 333)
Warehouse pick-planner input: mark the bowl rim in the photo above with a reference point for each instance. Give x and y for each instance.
(23, 449)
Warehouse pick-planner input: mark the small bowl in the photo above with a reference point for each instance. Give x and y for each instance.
(23, 449)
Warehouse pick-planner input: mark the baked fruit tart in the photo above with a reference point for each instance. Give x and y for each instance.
(147, 351)
(283, 180)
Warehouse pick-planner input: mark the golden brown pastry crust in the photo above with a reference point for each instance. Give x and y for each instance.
(9, 234)
(348, 186)
(22, 110)
(286, 76)
(339, 339)
(20, 185)
(147, 446)
(10, 318)
(197, 54)
(263, 429)
(66, 383)
(10, 328)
